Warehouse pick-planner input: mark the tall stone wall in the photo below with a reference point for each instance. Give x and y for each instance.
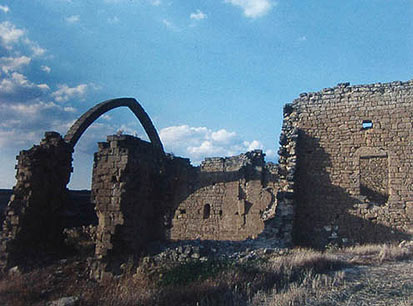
(354, 181)
(33, 217)
(127, 191)
(284, 216)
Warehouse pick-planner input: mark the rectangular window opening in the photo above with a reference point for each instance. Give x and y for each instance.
(367, 124)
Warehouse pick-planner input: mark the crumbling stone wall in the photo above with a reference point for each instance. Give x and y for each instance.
(126, 189)
(228, 199)
(33, 220)
(354, 181)
(345, 175)
(284, 216)
(142, 195)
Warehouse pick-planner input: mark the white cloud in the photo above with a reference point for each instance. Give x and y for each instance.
(198, 15)
(4, 8)
(13, 63)
(43, 86)
(254, 145)
(253, 8)
(46, 69)
(72, 19)
(65, 93)
(16, 87)
(13, 137)
(200, 142)
(31, 109)
(26, 107)
(9, 34)
(26, 121)
(223, 136)
(36, 49)
(69, 109)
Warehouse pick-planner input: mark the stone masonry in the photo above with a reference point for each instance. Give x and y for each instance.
(32, 223)
(345, 175)
(354, 181)
(227, 199)
(141, 195)
(126, 190)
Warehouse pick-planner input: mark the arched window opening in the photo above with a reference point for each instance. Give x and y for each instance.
(207, 211)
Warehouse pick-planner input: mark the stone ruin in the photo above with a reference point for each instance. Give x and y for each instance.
(345, 176)
(354, 180)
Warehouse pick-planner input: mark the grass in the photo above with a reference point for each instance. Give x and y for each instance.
(294, 278)
(377, 253)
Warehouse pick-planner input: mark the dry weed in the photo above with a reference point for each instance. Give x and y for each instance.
(312, 287)
(377, 253)
(393, 253)
(364, 249)
(299, 277)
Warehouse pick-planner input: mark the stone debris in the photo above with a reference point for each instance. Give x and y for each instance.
(65, 301)
(344, 176)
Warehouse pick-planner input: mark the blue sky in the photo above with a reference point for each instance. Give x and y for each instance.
(213, 75)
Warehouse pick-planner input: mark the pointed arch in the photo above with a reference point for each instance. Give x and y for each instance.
(80, 126)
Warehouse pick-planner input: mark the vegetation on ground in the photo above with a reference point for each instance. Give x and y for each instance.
(297, 277)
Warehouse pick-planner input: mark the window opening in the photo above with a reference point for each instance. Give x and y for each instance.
(207, 211)
(367, 124)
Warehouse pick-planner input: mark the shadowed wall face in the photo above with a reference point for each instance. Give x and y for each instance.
(33, 218)
(374, 178)
(354, 181)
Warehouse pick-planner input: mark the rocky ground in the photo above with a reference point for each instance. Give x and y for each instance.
(220, 273)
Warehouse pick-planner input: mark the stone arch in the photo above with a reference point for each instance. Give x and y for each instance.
(33, 221)
(80, 126)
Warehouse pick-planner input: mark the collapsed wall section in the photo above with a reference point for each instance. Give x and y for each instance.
(354, 181)
(33, 217)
